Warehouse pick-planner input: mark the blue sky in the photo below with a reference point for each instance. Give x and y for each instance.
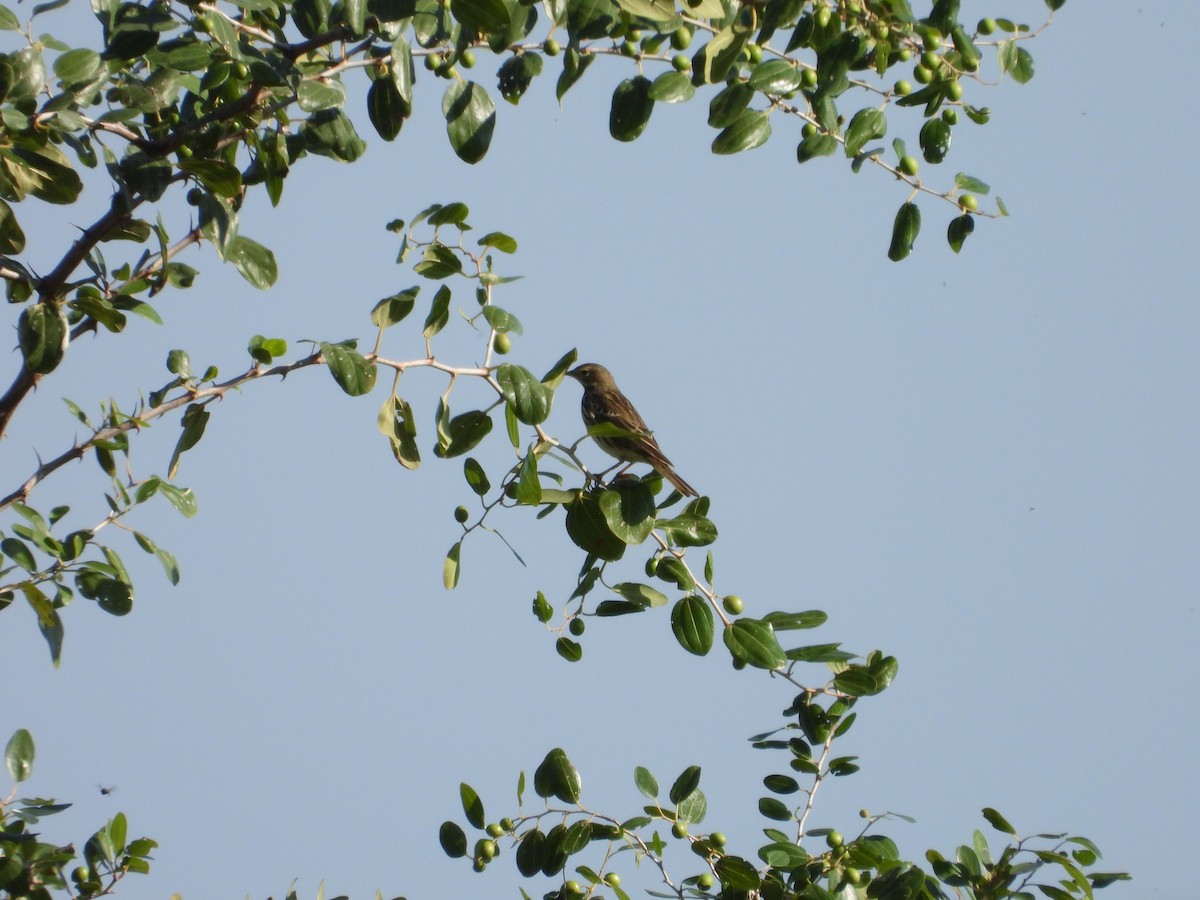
(873, 436)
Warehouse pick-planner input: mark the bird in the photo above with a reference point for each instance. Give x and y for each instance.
(604, 402)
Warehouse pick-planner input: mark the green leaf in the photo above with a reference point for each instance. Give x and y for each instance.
(750, 129)
(402, 72)
(12, 238)
(195, 418)
(216, 175)
(574, 65)
(182, 499)
(502, 321)
(484, 16)
(438, 262)
(966, 182)
(754, 642)
(9, 20)
(393, 309)
(397, 424)
(531, 853)
(631, 108)
(386, 108)
(568, 649)
(904, 231)
(588, 528)
(958, 231)
(450, 569)
(646, 782)
(736, 874)
(18, 755)
(529, 398)
(1016, 61)
(692, 808)
(264, 350)
(781, 621)
(329, 132)
(628, 509)
(516, 74)
(935, 140)
(781, 784)
(867, 125)
(772, 808)
(688, 781)
(998, 821)
(542, 608)
(43, 334)
(314, 96)
(463, 433)
(255, 262)
(16, 550)
(557, 777)
(179, 364)
(529, 489)
(49, 623)
(453, 840)
(498, 240)
(476, 476)
(651, 10)
(470, 120)
(472, 805)
(692, 624)
(775, 76)
(353, 373)
(688, 530)
(817, 144)
(672, 87)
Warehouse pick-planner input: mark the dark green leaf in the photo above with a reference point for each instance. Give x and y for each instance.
(470, 120)
(628, 508)
(588, 528)
(737, 875)
(557, 777)
(499, 241)
(531, 853)
(782, 621)
(692, 624)
(502, 321)
(529, 488)
(750, 129)
(438, 262)
(904, 231)
(386, 108)
(958, 231)
(464, 432)
(472, 805)
(781, 784)
(725, 108)
(484, 16)
(529, 398)
(397, 424)
(568, 649)
(216, 175)
(542, 608)
(672, 87)
(516, 74)
(935, 139)
(688, 530)
(867, 125)
(816, 144)
(453, 840)
(775, 809)
(687, 782)
(574, 65)
(43, 334)
(998, 821)
(314, 96)
(330, 133)
(12, 238)
(775, 76)
(195, 418)
(476, 476)
(631, 108)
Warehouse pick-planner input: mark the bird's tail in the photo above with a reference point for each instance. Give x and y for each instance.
(678, 483)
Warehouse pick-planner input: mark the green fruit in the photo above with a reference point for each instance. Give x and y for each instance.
(467, 58)
(922, 75)
(679, 829)
(986, 26)
(908, 165)
(933, 40)
(431, 61)
(651, 566)
(733, 605)
(681, 37)
(485, 849)
(507, 824)
(834, 839)
(495, 830)
(718, 839)
(501, 343)
(550, 47)
(195, 196)
(577, 626)
(480, 864)
(241, 70)
(954, 91)
(573, 889)
(823, 17)
(864, 813)
(808, 78)
(681, 62)
(950, 116)
(79, 873)
(969, 202)
(755, 52)
(808, 130)
(852, 876)
(461, 514)
(612, 879)
(902, 88)
(628, 49)
(705, 881)
(930, 60)
(904, 55)
(633, 34)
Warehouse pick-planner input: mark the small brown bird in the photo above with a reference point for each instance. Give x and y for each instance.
(604, 402)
